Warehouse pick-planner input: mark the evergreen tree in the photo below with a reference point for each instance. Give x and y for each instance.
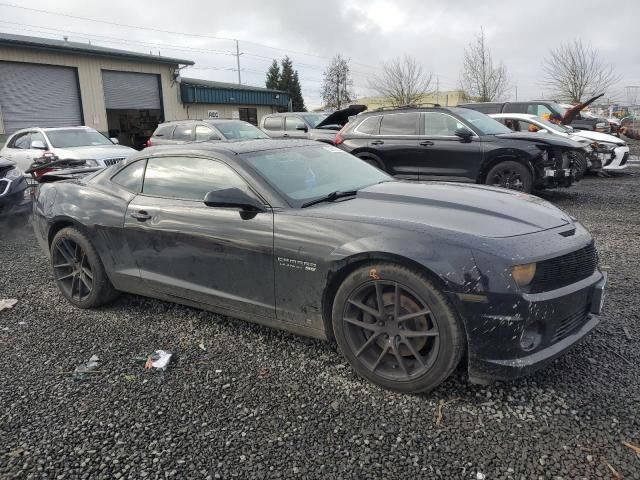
(273, 75)
(290, 83)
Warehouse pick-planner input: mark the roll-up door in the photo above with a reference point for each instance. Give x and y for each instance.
(127, 90)
(33, 95)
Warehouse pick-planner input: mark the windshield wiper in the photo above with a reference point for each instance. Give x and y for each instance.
(330, 197)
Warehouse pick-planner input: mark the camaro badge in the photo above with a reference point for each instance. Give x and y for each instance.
(297, 264)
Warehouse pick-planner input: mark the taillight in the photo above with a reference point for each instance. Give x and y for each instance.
(339, 138)
(148, 142)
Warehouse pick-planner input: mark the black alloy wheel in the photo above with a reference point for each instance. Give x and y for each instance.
(397, 328)
(71, 269)
(391, 330)
(78, 271)
(512, 175)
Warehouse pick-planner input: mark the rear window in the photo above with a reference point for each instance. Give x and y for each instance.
(183, 133)
(164, 131)
(130, 177)
(273, 123)
(399, 124)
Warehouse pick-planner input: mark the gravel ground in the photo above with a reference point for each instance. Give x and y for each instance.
(243, 401)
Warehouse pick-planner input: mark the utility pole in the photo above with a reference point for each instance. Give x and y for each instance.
(238, 62)
(437, 88)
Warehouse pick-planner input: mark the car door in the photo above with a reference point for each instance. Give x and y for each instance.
(188, 250)
(292, 124)
(398, 145)
(446, 155)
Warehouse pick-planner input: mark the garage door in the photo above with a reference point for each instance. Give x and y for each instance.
(38, 96)
(126, 90)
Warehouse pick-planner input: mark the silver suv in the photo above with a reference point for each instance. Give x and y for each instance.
(186, 131)
(85, 143)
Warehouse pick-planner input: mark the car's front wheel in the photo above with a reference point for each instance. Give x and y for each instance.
(512, 175)
(396, 328)
(78, 271)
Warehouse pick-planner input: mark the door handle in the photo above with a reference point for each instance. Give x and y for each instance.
(285, 134)
(426, 143)
(141, 216)
(377, 142)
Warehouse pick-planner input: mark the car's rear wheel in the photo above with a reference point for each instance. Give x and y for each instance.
(396, 328)
(512, 175)
(78, 271)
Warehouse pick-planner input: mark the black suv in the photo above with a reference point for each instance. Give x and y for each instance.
(541, 108)
(459, 144)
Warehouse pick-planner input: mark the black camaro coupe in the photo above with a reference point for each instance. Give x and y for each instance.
(408, 278)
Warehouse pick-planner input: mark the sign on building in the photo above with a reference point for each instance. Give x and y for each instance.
(213, 114)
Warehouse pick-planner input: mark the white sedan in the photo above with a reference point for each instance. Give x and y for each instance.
(612, 152)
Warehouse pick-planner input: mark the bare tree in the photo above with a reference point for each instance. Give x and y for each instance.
(574, 71)
(402, 81)
(337, 85)
(480, 79)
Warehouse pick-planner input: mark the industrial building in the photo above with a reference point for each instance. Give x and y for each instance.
(55, 83)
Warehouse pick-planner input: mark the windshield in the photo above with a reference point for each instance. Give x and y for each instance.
(76, 138)
(306, 173)
(240, 131)
(483, 123)
(314, 119)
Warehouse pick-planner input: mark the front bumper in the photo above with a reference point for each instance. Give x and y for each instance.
(496, 329)
(557, 177)
(619, 159)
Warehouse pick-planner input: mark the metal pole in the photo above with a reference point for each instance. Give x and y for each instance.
(238, 62)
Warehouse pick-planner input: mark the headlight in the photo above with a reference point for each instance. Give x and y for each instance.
(523, 274)
(91, 163)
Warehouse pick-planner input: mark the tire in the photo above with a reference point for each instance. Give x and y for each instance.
(374, 163)
(78, 271)
(414, 355)
(512, 175)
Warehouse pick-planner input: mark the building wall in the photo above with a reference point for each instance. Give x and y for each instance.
(200, 110)
(446, 99)
(90, 79)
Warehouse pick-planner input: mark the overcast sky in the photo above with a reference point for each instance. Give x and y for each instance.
(367, 32)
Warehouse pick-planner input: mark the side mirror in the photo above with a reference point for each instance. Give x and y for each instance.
(233, 198)
(38, 145)
(303, 128)
(115, 141)
(463, 133)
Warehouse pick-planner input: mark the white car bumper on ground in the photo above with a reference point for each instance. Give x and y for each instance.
(619, 160)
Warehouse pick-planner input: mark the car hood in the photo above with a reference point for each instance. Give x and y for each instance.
(541, 139)
(598, 137)
(101, 152)
(6, 163)
(470, 209)
(341, 117)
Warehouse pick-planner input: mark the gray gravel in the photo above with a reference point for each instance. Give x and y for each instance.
(257, 403)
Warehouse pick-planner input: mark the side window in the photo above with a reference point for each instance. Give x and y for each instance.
(539, 110)
(273, 123)
(188, 178)
(37, 137)
(205, 133)
(292, 123)
(164, 131)
(21, 141)
(183, 133)
(370, 126)
(130, 177)
(440, 125)
(399, 124)
(527, 126)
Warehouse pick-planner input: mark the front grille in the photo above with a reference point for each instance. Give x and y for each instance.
(568, 325)
(564, 270)
(112, 161)
(625, 158)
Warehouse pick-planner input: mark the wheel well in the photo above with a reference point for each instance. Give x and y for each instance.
(56, 227)
(336, 277)
(504, 158)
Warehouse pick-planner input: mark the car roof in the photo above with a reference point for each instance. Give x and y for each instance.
(230, 148)
(279, 114)
(385, 111)
(53, 129)
(521, 116)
